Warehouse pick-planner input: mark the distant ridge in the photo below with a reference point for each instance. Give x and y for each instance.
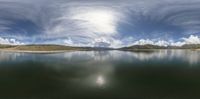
(149, 46)
(5, 46)
(50, 47)
(191, 46)
(47, 47)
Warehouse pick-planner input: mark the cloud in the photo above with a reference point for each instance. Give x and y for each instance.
(107, 42)
(154, 42)
(144, 42)
(10, 41)
(192, 40)
(97, 42)
(177, 43)
(97, 21)
(69, 42)
(101, 22)
(188, 56)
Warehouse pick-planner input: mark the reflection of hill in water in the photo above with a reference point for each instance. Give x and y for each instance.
(65, 74)
(189, 56)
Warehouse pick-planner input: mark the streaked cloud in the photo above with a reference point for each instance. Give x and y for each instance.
(101, 22)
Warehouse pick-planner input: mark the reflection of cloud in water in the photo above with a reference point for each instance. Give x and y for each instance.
(96, 68)
(143, 56)
(192, 57)
(8, 56)
(189, 56)
(89, 55)
(93, 57)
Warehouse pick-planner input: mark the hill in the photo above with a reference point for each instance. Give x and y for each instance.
(148, 46)
(191, 46)
(2, 46)
(47, 47)
(40, 47)
(64, 48)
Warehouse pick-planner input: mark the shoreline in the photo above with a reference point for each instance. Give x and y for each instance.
(37, 52)
(62, 51)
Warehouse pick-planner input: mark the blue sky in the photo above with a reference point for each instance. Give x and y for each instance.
(106, 23)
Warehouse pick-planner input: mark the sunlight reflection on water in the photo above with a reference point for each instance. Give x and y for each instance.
(86, 72)
(100, 80)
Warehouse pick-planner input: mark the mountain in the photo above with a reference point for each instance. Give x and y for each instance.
(186, 46)
(191, 46)
(147, 46)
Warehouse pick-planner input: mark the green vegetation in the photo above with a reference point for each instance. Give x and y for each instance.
(148, 46)
(191, 46)
(2, 46)
(41, 47)
(46, 47)
(152, 47)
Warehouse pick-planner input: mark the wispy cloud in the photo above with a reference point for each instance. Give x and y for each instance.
(100, 22)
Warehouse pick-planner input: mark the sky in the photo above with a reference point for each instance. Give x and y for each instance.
(100, 23)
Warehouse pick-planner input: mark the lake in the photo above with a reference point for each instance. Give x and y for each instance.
(159, 74)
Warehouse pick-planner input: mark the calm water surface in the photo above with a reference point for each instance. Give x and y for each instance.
(164, 74)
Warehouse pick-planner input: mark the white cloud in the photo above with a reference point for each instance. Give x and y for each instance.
(85, 26)
(110, 42)
(162, 43)
(115, 43)
(177, 43)
(96, 42)
(154, 42)
(69, 42)
(151, 42)
(144, 42)
(192, 40)
(9, 41)
(97, 21)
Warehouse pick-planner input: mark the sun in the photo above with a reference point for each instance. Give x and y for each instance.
(99, 21)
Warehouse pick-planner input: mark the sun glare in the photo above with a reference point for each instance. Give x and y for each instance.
(98, 20)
